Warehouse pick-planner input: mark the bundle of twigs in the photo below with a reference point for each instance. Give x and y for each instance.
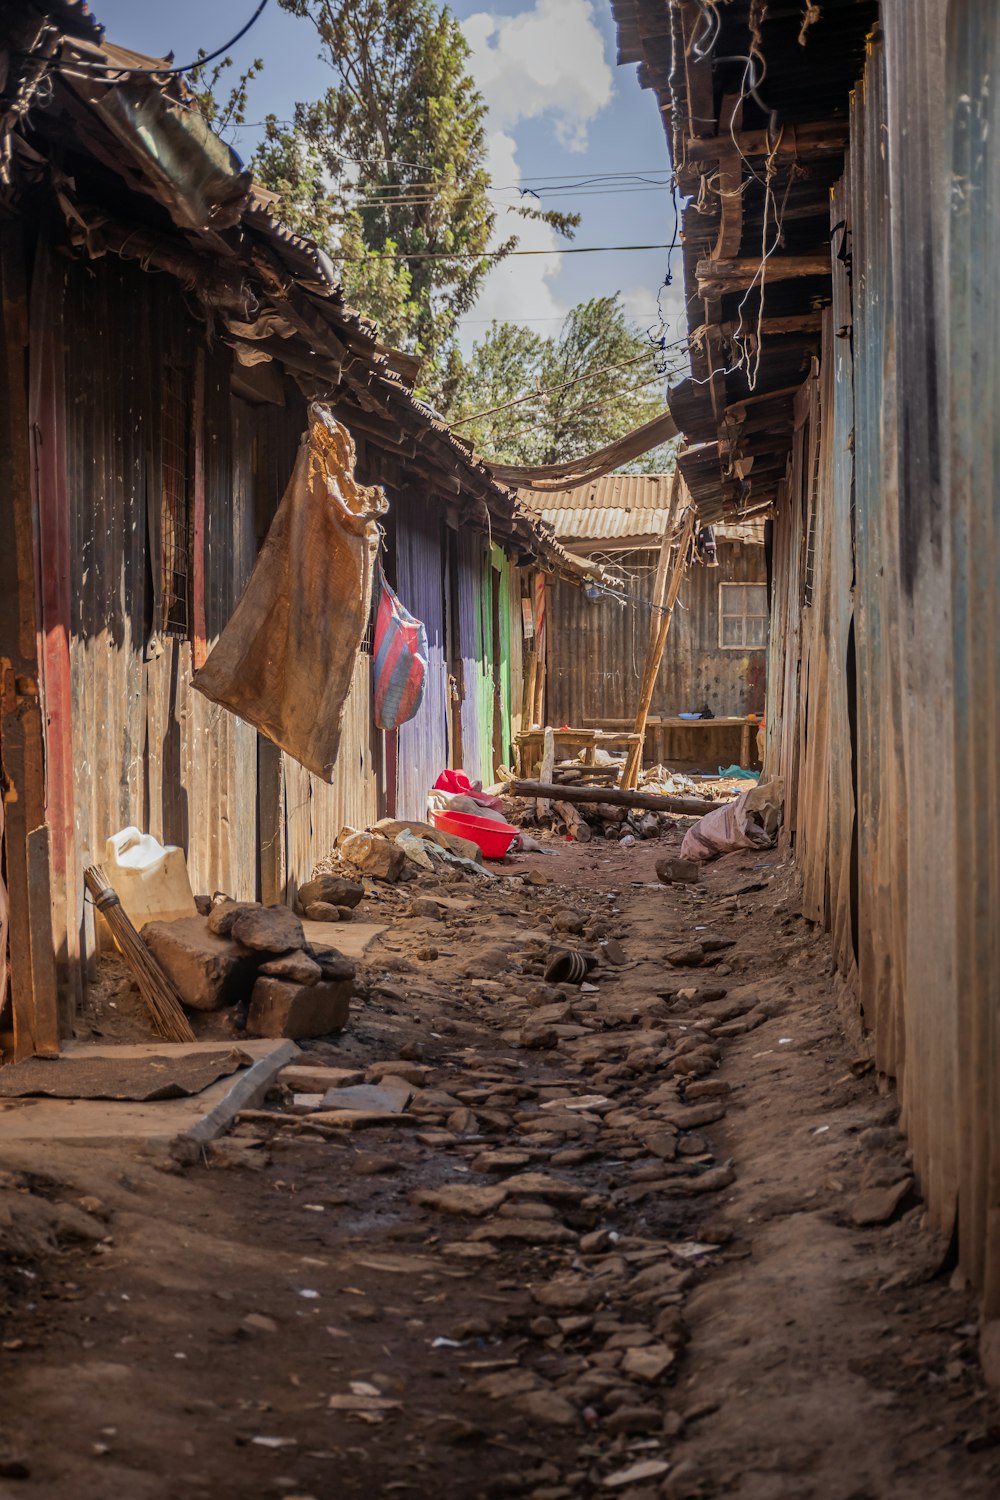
(161, 999)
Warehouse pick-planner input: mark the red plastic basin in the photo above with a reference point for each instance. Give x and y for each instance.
(493, 837)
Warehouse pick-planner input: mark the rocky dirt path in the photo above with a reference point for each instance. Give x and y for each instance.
(652, 1237)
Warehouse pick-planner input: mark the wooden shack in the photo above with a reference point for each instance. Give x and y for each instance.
(846, 386)
(717, 647)
(161, 334)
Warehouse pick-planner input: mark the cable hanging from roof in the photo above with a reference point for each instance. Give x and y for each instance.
(109, 71)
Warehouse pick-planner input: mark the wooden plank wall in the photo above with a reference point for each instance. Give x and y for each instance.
(882, 710)
(142, 746)
(597, 649)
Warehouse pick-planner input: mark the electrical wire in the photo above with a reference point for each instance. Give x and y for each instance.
(484, 254)
(116, 72)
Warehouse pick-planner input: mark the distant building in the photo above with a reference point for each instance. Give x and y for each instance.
(717, 647)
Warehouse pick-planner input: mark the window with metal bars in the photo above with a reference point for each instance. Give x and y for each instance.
(743, 616)
(176, 519)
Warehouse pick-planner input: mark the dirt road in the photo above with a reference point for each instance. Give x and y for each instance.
(651, 1238)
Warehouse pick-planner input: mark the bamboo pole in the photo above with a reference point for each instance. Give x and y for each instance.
(633, 763)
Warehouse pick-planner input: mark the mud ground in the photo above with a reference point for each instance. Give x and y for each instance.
(610, 1249)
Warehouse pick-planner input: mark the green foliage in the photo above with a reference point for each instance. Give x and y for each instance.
(228, 114)
(387, 171)
(568, 416)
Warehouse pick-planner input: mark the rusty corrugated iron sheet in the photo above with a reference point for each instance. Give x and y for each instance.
(621, 507)
(885, 639)
(474, 680)
(313, 812)
(597, 650)
(421, 583)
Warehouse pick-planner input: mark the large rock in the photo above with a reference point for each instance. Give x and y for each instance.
(334, 964)
(333, 889)
(224, 913)
(297, 967)
(268, 929)
(372, 854)
(676, 871)
(206, 970)
(297, 1011)
(322, 911)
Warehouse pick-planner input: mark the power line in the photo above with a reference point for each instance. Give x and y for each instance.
(428, 199)
(548, 318)
(109, 71)
(482, 254)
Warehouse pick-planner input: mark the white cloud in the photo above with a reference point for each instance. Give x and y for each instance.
(548, 60)
(518, 288)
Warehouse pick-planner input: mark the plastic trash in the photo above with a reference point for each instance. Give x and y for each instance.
(150, 879)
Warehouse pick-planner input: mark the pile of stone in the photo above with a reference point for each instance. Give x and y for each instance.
(258, 960)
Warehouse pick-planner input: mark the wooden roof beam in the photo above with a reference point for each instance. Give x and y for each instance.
(825, 138)
(778, 327)
(717, 277)
(730, 183)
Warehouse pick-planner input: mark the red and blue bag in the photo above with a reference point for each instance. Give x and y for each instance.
(400, 660)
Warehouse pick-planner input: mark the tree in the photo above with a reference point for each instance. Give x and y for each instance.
(387, 171)
(594, 382)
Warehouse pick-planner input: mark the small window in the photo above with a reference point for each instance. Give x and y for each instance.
(743, 616)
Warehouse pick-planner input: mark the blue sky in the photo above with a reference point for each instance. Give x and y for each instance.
(559, 108)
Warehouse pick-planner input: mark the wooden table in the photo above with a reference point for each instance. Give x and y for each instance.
(700, 728)
(590, 740)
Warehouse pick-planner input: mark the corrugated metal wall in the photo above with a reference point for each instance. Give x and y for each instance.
(596, 651)
(143, 747)
(422, 586)
(904, 419)
(112, 348)
(473, 655)
(972, 167)
(503, 668)
(315, 811)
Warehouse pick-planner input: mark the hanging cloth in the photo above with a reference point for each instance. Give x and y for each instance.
(285, 660)
(400, 659)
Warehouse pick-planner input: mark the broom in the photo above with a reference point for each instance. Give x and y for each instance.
(161, 1000)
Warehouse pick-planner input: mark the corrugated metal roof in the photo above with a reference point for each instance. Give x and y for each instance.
(637, 491)
(619, 505)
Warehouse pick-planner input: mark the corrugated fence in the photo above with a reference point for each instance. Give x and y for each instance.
(884, 712)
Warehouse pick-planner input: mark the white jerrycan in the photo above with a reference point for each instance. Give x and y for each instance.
(151, 881)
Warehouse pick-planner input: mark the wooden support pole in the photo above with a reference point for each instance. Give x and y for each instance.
(662, 581)
(541, 646)
(614, 797)
(22, 765)
(542, 808)
(633, 763)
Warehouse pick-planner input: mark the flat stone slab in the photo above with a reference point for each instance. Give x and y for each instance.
(352, 938)
(199, 1118)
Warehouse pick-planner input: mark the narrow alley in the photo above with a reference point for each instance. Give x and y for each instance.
(499, 716)
(578, 1263)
